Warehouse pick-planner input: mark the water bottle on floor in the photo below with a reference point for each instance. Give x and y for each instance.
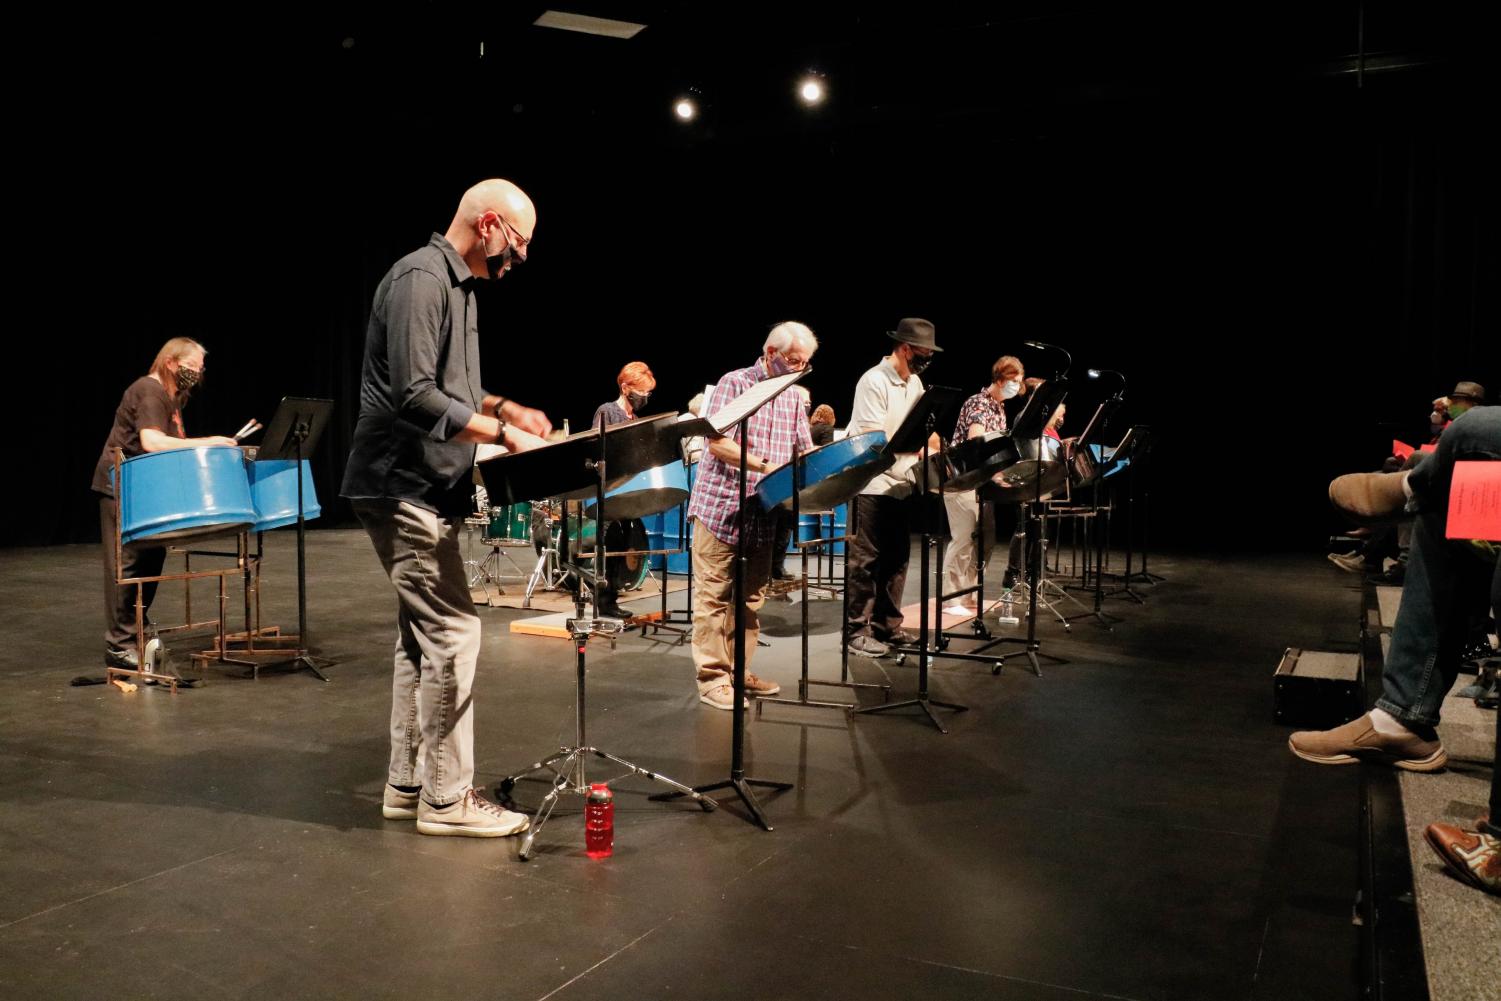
(1008, 611)
(599, 821)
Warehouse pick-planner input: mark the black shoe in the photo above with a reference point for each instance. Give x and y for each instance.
(901, 637)
(1392, 578)
(116, 657)
(1008, 580)
(780, 573)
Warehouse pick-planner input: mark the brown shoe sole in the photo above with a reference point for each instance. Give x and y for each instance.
(1434, 762)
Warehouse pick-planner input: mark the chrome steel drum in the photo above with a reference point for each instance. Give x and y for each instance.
(564, 469)
(831, 474)
(972, 462)
(273, 488)
(184, 493)
(644, 494)
(1017, 484)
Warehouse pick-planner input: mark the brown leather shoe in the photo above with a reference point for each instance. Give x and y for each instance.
(1359, 741)
(760, 687)
(1473, 856)
(1369, 498)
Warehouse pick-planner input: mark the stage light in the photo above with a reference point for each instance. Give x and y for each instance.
(685, 109)
(811, 89)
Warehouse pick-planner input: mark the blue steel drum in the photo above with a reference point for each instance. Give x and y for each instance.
(184, 493)
(650, 492)
(273, 487)
(816, 526)
(832, 473)
(671, 533)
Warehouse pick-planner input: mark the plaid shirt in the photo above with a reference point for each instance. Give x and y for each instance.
(773, 430)
(979, 409)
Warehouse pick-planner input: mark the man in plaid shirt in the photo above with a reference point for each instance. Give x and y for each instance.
(772, 432)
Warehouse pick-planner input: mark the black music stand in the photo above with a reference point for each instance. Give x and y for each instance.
(1135, 444)
(293, 433)
(739, 411)
(565, 469)
(938, 407)
(1033, 424)
(1141, 467)
(1096, 427)
(1025, 421)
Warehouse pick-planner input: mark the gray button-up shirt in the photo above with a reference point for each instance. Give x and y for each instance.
(419, 386)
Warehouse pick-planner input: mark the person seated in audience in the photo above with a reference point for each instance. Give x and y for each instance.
(1426, 640)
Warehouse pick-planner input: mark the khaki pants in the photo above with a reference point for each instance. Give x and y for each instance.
(437, 646)
(714, 609)
(962, 558)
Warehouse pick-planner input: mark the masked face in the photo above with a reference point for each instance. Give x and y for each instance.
(1010, 388)
(637, 400)
(917, 363)
(187, 378)
(501, 253)
(1457, 407)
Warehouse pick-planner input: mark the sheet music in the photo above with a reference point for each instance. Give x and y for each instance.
(1475, 501)
(751, 400)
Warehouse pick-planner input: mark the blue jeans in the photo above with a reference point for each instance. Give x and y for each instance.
(1429, 633)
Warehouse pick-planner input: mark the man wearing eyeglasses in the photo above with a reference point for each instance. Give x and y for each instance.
(422, 411)
(771, 434)
(879, 551)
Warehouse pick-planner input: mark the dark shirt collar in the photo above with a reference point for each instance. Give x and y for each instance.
(457, 268)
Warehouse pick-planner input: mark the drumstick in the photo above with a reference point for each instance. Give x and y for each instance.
(246, 429)
(249, 429)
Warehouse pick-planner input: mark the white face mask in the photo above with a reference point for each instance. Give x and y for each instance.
(1010, 388)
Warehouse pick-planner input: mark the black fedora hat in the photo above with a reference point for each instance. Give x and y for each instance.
(916, 332)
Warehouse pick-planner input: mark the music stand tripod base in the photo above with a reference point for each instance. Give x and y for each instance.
(569, 777)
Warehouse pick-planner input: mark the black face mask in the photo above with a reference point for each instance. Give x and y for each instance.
(637, 400)
(497, 263)
(187, 378)
(917, 363)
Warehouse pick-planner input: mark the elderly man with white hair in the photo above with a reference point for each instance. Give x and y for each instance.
(771, 433)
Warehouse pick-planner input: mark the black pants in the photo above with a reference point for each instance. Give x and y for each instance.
(878, 557)
(783, 519)
(120, 602)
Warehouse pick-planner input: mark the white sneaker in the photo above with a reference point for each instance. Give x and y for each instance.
(963, 611)
(473, 816)
(398, 805)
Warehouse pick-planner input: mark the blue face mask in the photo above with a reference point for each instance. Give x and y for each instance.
(1010, 388)
(778, 366)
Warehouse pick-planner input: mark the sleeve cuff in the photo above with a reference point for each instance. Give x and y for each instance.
(454, 419)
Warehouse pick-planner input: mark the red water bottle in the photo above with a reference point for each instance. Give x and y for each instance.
(599, 821)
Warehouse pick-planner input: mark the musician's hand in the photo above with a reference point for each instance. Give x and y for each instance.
(518, 440)
(219, 439)
(525, 418)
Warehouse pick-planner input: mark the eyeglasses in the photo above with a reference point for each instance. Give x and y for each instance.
(521, 242)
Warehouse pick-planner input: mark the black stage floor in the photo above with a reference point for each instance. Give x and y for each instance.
(1130, 825)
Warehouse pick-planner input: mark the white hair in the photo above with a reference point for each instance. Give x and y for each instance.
(789, 332)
